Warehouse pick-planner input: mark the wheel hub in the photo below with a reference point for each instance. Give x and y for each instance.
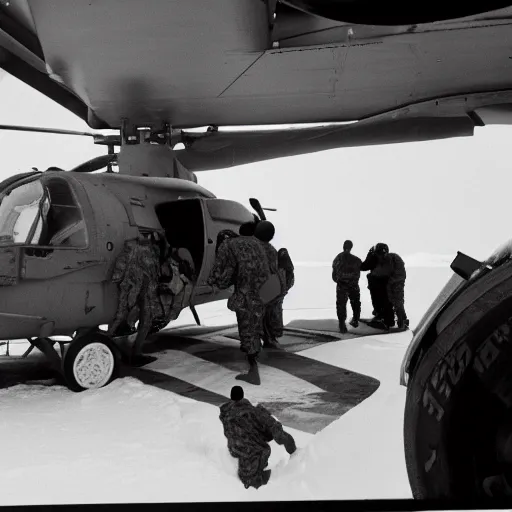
(93, 366)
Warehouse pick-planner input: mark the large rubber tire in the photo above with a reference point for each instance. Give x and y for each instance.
(457, 396)
(91, 362)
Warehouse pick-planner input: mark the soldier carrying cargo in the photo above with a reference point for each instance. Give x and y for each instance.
(242, 262)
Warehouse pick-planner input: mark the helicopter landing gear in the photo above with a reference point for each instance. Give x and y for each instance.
(90, 362)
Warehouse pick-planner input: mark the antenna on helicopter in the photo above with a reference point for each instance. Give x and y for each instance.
(259, 209)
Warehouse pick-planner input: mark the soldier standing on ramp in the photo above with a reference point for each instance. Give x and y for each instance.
(395, 268)
(273, 316)
(249, 429)
(346, 271)
(242, 262)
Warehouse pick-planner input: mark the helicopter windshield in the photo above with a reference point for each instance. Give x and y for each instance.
(18, 212)
(42, 213)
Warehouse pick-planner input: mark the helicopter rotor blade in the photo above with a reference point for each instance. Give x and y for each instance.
(16, 128)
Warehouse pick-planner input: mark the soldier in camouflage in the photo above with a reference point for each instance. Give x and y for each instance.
(137, 271)
(275, 318)
(377, 285)
(249, 429)
(241, 262)
(389, 268)
(223, 235)
(396, 282)
(346, 271)
(282, 265)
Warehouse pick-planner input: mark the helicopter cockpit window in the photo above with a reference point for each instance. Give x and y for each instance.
(19, 213)
(43, 214)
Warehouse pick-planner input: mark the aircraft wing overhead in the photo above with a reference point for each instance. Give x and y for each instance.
(250, 62)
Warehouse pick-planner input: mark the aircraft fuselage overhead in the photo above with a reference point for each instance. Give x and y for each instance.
(434, 74)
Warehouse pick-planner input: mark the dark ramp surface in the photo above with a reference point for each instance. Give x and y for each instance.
(341, 389)
(294, 341)
(331, 326)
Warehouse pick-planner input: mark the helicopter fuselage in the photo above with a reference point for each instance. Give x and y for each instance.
(61, 233)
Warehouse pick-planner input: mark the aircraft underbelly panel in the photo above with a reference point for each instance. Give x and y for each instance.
(138, 57)
(194, 65)
(349, 82)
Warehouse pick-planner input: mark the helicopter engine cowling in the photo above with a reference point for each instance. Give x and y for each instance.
(152, 160)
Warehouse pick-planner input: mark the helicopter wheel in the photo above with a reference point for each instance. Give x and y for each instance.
(458, 412)
(90, 362)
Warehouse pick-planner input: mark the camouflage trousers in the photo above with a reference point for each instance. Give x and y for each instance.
(273, 321)
(344, 292)
(396, 297)
(250, 329)
(382, 306)
(251, 467)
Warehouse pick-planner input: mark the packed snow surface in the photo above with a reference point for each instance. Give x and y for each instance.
(131, 442)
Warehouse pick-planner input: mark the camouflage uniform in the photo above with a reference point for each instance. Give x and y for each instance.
(396, 287)
(248, 430)
(241, 262)
(377, 285)
(346, 271)
(137, 270)
(391, 272)
(225, 234)
(273, 315)
(273, 325)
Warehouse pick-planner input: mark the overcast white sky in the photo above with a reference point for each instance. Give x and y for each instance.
(433, 197)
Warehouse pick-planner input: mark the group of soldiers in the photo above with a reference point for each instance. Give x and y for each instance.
(261, 276)
(386, 282)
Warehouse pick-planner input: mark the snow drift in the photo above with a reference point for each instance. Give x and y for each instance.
(131, 442)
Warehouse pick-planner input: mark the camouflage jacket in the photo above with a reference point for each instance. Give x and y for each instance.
(398, 273)
(241, 262)
(346, 268)
(137, 260)
(225, 234)
(285, 262)
(140, 262)
(393, 267)
(275, 268)
(250, 428)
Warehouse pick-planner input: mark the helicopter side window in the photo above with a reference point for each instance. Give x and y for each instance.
(64, 223)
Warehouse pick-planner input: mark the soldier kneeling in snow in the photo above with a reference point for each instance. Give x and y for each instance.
(249, 429)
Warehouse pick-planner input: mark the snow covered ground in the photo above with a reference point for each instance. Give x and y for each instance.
(131, 442)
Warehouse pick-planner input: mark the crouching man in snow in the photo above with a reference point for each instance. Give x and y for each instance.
(249, 429)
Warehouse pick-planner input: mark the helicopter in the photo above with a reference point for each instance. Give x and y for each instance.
(62, 231)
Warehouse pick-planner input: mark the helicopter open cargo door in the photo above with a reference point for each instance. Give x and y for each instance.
(218, 215)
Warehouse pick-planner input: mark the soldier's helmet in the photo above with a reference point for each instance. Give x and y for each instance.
(237, 393)
(247, 229)
(381, 249)
(265, 231)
